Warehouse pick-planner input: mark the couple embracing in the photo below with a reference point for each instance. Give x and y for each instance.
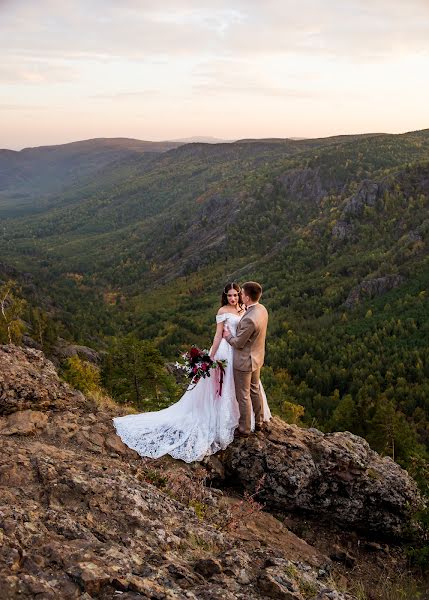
(203, 422)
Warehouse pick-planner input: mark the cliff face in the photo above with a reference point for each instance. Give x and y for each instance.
(82, 516)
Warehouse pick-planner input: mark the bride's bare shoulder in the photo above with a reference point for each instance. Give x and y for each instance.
(223, 309)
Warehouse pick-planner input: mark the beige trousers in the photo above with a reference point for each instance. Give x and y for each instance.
(248, 393)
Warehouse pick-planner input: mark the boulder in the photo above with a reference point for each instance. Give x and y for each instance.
(26, 422)
(334, 476)
(64, 350)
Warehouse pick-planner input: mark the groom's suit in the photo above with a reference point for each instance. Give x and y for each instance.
(249, 352)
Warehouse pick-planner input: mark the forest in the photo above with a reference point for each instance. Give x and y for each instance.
(131, 261)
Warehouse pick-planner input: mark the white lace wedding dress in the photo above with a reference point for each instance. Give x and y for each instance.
(199, 424)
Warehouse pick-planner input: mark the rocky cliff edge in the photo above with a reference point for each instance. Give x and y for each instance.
(82, 516)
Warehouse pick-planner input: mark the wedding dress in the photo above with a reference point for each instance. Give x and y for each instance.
(202, 422)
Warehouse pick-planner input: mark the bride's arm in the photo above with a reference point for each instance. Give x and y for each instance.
(217, 339)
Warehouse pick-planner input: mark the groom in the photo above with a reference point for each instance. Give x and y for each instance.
(249, 350)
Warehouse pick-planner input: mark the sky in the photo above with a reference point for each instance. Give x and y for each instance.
(79, 69)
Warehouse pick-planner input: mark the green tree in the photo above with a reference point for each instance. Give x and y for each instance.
(390, 433)
(134, 372)
(11, 310)
(81, 374)
(292, 412)
(42, 328)
(345, 415)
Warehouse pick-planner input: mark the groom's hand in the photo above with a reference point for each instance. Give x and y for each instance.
(226, 331)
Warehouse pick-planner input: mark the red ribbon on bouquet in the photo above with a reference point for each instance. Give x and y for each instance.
(221, 375)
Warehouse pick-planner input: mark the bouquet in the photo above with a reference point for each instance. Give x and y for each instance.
(198, 364)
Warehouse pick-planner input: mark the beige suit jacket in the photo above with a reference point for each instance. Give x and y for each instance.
(249, 341)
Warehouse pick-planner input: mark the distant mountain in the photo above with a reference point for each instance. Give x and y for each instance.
(203, 140)
(144, 218)
(28, 174)
(38, 179)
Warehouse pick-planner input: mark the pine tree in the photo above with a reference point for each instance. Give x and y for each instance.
(134, 372)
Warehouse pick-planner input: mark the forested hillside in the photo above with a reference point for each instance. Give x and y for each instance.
(30, 177)
(335, 229)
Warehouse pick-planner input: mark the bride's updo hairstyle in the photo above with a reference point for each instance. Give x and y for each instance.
(231, 286)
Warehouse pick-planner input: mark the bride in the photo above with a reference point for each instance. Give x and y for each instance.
(202, 422)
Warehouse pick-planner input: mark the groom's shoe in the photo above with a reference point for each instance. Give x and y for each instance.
(262, 427)
(240, 434)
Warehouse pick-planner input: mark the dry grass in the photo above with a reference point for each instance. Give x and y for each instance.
(404, 587)
(105, 402)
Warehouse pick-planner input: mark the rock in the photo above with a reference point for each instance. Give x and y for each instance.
(275, 586)
(334, 475)
(115, 444)
(84, 439)
(215, 468)
(65, 350)
(343, 557)
(82, 518)
(208, 567)
(413, 236)
(90, 577)
(373, 547)
(28, 380)
(30, 342)
(342, 230)
(305, 184)
(25, 422)
(367, 195)
(330, 594)
(371, 288)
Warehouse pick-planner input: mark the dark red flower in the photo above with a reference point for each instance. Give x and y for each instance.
(194, 352)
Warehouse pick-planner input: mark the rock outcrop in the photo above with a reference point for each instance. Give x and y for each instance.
(367, 195)
(342, 230)
(64, 349)
(28, 380)
(371, 288)
(334, 476)
(305, 184)
(83, 516)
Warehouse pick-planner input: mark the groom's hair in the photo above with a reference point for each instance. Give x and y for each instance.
(252, 289)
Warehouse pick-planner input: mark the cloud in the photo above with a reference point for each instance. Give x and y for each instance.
(252, 90)
(244, 77)
(138, 30)
(36, 72)
(27, 107)
(189, 63)
(127, 95)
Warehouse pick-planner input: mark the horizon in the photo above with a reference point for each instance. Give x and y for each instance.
(193, 139)
(229, 70)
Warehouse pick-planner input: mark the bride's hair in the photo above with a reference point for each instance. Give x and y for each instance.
(231, 286)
